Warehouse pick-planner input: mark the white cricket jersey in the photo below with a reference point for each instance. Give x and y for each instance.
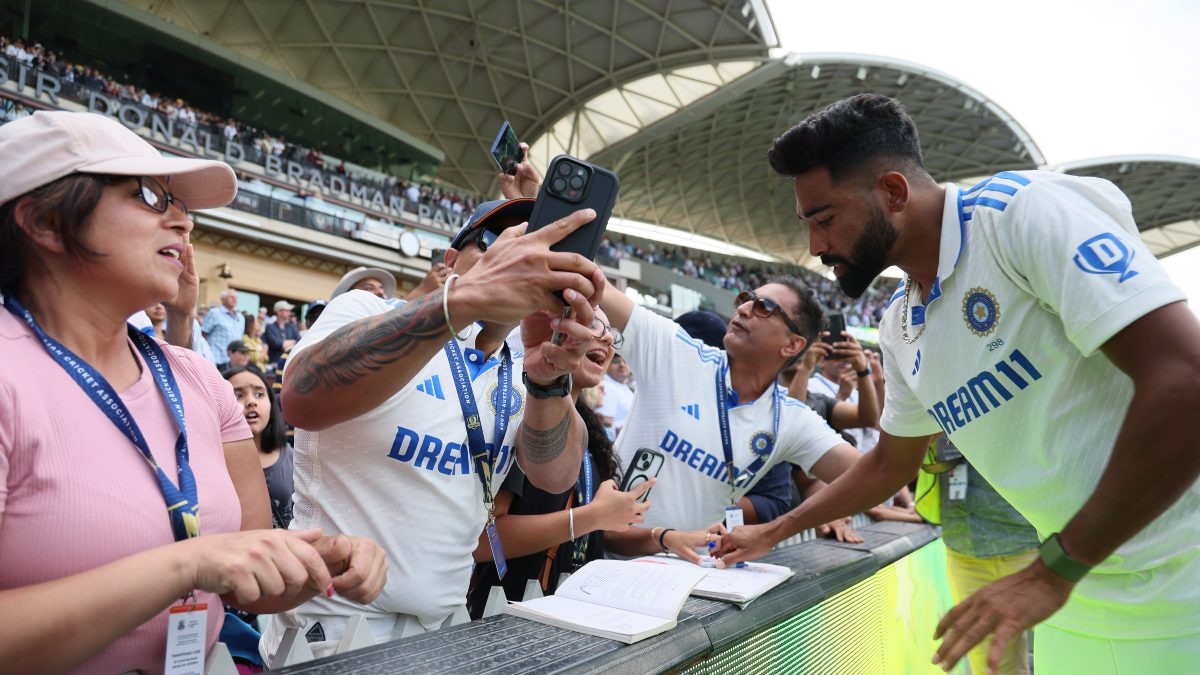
(1036, 271)
(401, 475)
(676, 414)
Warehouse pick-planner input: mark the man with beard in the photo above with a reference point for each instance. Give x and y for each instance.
(1061, 362)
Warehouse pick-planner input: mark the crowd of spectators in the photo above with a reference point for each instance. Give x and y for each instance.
(258, 143)
(737, 275)
(728, 273)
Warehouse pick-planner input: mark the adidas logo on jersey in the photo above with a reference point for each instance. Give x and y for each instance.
(692, 409)
(433, 387)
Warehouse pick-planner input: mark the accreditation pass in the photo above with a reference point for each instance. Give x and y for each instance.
(186, 632)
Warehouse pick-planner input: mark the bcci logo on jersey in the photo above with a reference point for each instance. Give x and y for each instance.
(762, 443)
(1105, 254)
(981, 311)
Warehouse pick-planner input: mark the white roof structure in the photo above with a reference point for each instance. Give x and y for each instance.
(703, 169)
(681, 97)
(449, 72)
(1164, 191)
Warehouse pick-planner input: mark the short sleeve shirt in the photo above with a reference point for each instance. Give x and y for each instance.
(676, 414)
(1037, 270)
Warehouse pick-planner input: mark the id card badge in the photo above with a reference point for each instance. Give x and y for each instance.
(958, 483)
(186, 632)
(733, 517)
(497, 550)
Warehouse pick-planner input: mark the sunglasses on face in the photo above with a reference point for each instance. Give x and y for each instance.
(765, 308)
(155, 195)
(483, 238)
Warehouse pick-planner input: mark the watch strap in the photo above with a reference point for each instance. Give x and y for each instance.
(1058, 561)
(561, 387)
(864, 372)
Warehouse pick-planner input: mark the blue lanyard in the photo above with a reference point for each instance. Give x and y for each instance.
(484, 461)
(183, 505)
(762, 443)
(584, 496)
(584, 489)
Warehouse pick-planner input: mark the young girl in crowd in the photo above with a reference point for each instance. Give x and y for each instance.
(260, 407)
(128, 480)
(545, 535)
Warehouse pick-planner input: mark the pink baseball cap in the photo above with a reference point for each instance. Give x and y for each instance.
(48, 145)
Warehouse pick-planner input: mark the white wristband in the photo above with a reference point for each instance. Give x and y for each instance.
(571, 520)
(446, 308)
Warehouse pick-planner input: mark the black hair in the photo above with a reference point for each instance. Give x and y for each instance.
(807, 312)
(313, 313)
(64, 205)
(599, 444)
(849, 136)
(274, 435)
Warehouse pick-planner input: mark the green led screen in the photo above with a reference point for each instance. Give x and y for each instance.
(881, 625)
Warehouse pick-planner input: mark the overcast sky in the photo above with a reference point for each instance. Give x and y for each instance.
(1085, 79)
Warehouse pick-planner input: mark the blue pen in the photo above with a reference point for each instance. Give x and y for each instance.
(712, 545)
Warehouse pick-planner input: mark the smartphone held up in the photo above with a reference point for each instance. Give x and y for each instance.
(506, 149)
(836, 325)
(571, 185)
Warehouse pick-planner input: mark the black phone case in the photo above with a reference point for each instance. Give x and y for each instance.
(835, 333)
(600, 195)
(633, 473)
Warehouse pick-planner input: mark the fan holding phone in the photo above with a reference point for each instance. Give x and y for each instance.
(547, 534)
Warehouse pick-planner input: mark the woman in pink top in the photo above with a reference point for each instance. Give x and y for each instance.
(129, 483)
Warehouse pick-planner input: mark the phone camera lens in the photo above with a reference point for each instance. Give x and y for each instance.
(558, 184)
(564, 169)
(576, 182)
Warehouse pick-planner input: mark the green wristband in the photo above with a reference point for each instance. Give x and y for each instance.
(1059, 562)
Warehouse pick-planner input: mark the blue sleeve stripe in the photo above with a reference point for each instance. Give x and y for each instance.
(706, 353)
(1016, 178)
(986, 201)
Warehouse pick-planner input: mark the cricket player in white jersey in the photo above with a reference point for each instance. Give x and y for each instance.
(1034, 329)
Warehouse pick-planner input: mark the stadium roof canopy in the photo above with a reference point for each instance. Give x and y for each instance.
(703, 168)
(449, 72)
(1164, 191)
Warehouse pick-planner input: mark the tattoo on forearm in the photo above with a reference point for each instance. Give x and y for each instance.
(543, 446)
(364, 347)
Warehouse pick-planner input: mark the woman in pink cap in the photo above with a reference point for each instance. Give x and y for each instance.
(130, 493)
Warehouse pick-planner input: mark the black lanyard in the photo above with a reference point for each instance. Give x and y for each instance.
(183, 505)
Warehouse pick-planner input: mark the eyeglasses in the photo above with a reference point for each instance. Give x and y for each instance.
(765, 308)
(599, 328)
(155, 195)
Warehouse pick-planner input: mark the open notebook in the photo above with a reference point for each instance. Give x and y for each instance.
(616, 599)
(739, 585)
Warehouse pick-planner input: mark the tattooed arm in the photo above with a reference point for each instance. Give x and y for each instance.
(550, 443)
(363, 363)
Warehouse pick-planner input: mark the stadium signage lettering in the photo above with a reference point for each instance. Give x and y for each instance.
(984, 392)
(158, 126)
